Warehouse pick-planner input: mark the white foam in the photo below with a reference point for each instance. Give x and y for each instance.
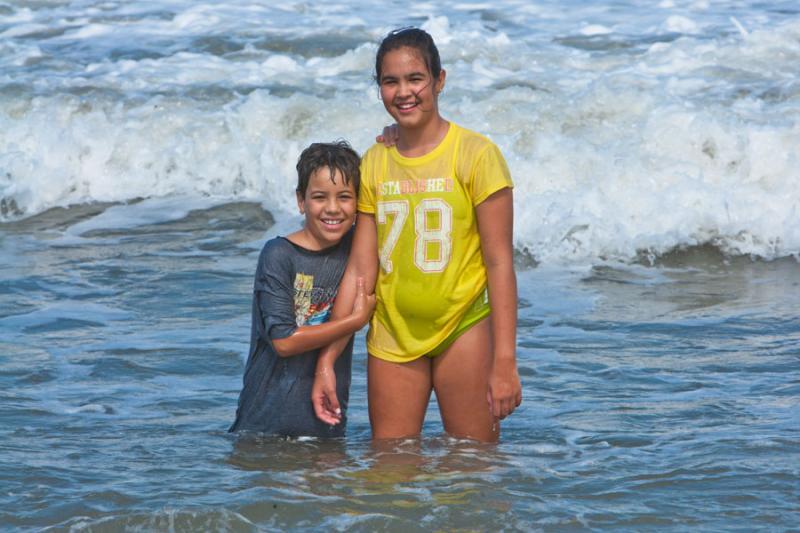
(744, 33)
(91, 31)
(439, 28)
(197, 18)
(595, 29)
(23, 29)
(96, 408)
(548, 449)
(681, 24)
(646, 147)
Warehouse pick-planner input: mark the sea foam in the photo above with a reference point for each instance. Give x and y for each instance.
(623, 141)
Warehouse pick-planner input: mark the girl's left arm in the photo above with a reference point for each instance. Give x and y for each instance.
(495, 224)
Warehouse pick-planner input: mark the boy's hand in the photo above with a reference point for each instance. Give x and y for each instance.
(323, 396)
(389, 136)
(505, 391)
(364, 304)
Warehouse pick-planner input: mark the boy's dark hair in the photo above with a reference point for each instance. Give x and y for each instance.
(415, 38)
(335, 156)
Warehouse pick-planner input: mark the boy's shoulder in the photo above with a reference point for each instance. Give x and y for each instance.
(276, 244)
(281, 249)
(276, 250)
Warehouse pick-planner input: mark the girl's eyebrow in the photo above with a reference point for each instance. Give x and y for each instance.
(407, 75)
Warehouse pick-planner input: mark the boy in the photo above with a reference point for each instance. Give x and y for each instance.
(296, 280)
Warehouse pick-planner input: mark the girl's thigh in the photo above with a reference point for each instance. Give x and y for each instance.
(461, 382)
(398, 395)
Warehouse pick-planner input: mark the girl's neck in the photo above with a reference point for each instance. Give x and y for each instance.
(416, 142)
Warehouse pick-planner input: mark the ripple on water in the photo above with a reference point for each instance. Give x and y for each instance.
(171, 518)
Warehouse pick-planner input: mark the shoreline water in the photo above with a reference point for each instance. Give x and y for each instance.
(657, 396)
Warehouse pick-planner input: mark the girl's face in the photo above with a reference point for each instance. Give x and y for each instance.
(408, 90)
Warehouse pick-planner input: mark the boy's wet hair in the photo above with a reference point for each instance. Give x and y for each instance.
(335, 156)
(415, 38)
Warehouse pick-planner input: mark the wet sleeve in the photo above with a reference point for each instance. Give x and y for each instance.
(489, 174)
(274, 291)
(366, 189)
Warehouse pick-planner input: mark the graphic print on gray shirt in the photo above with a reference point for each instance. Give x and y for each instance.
(293, 287)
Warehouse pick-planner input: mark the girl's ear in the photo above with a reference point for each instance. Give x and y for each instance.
(301, 203)
(440, 81)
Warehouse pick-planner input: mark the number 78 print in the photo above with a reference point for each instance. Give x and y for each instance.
(395, 212)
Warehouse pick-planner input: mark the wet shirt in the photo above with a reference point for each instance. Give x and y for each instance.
(431, 267)
(293, 287)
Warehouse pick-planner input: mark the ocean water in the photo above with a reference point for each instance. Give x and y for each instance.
(147, 151)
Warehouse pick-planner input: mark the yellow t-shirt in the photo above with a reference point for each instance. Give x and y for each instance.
(431, 267)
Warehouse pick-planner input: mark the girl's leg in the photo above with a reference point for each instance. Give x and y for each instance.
(398, 395)
(461, 382)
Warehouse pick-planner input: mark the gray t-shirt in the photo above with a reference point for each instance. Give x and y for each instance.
(293, 287)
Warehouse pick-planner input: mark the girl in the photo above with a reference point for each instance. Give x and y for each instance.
(434, 232)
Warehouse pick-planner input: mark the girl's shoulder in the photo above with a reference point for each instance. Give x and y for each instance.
(475, 151)
(470, 140)
(480, 165)
(374, 151)
(372, 162)
(465, 144)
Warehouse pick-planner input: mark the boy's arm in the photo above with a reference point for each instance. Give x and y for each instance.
(495, 225)
(306, 338)
(389, 135)
(363, 264)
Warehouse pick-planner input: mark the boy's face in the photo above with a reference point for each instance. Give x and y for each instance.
(329, 207)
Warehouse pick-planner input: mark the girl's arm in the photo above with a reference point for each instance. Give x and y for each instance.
(363, 264)
(307, 338)
(495, 225)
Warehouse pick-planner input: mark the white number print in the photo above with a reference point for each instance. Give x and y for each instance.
(425, 235)
(398, 208)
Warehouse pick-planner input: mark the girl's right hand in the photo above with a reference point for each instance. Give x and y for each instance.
(364, 304)
(323, 396)
(505, 390)
(389, 136)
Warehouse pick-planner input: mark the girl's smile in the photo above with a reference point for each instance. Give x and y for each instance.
(408, 89)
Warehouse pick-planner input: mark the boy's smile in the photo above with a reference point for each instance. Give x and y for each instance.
(329, 206)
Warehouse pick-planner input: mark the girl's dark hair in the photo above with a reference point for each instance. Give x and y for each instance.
(415, 38)
(335, 156)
